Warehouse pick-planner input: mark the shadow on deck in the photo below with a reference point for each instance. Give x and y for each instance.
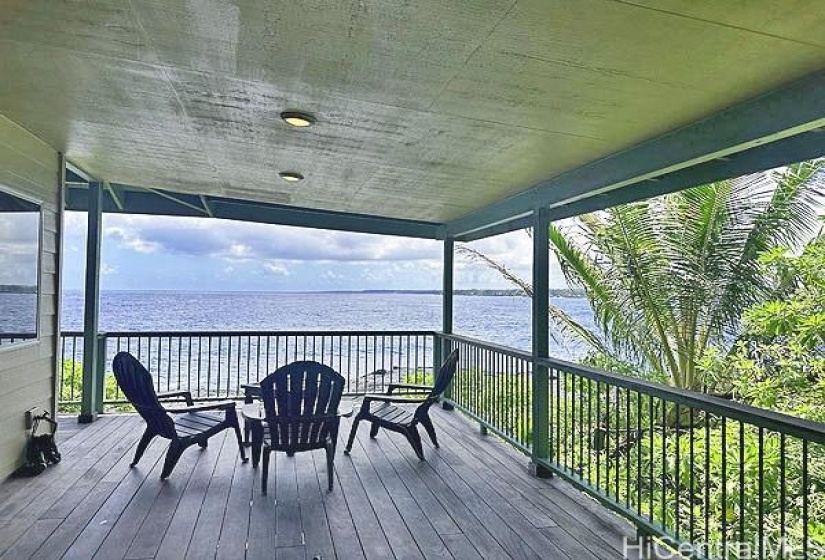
(472, 498)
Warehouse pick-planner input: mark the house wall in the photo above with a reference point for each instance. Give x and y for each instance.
(30, 167)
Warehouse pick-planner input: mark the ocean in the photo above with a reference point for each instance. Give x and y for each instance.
(504, 320)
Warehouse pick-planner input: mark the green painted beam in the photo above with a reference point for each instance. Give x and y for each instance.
(77, 173)
(805, 146)
(206, 207)
(116, 194)
(90, 405)
(777, 115)
(136, 200)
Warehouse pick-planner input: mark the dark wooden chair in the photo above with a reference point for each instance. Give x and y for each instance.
(381, 411)
(194, 424)
(301, 403)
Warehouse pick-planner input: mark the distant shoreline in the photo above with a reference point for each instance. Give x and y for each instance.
(17, 289)
(558, 293)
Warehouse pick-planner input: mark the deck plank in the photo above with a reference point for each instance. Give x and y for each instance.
(345, 540)
(287, 509)
(150, 533)
(204, 543)
(128, 480)
(470, 499)
(56, 483)
(235, 527)
(477, 532)
(19, 494)
(374, 542)
(398, 535)
(314, 523)
(179, 533)
(416, 520)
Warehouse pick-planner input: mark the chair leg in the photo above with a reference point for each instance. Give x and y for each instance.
(233, 420)
(145, 439)
(415, 441)
(428, 425)
(265, 470)
(352, 431)
(172, 455)
(330, 463)
(374, 430)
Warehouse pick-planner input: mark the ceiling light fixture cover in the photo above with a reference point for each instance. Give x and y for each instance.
(291, 176)
(298, 119)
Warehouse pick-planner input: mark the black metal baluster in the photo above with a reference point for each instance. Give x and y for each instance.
(742, 536)
(678, 483)
(761, 492)
(782, 532)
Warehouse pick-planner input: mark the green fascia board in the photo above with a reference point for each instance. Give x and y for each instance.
(776, 115)
(805, 146)
(136, 200)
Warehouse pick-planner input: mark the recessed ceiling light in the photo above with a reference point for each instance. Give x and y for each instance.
(298, 119)
(291, 176)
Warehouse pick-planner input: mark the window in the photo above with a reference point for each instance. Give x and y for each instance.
(19, 269)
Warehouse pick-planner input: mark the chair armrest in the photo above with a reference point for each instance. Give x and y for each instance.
(187, 396)
(290, 420)
(390, 399)
(222, 405)
(411, 387)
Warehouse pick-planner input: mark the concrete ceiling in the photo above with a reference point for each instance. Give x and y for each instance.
(427, 110)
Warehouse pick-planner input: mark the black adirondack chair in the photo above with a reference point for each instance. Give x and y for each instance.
(191, 425)
(301, 403)
(381, 411)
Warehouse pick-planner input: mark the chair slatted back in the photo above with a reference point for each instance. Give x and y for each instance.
(301, 402)
(136, 383)
(442, 380)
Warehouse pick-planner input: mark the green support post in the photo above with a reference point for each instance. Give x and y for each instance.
(89, 404)
(447, 309)
(541, 448)
(100, 371)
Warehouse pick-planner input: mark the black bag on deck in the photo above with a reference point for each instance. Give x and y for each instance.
(41, 450)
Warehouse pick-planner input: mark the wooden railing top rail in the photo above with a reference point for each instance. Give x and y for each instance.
(760, 417)
(307, 332)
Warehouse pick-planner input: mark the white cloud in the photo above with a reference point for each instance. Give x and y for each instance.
(243, 250)
(276, 269)
(243, 240)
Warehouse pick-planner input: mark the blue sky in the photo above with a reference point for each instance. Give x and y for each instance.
(165, 253)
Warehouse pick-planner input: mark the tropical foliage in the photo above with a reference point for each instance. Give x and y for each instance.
(668, 279)
(779, 361)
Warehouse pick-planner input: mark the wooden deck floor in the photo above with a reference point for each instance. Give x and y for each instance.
(472, 498)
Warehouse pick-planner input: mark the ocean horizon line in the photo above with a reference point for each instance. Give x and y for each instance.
(460, 292)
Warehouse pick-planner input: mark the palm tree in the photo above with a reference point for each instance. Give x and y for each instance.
(668, 279)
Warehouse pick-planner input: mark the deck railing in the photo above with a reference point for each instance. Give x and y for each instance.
(717, 478)
(725, 478)
(7, 338)
(214, 365)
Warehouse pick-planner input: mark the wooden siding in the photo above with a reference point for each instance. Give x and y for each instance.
(29, 167)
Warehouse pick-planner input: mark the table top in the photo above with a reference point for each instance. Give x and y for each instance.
(255, 410)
